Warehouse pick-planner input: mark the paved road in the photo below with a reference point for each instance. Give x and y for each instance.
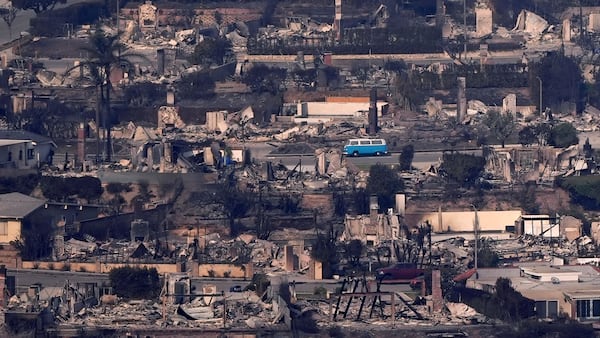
(21, 22)
(421, 160)
(53, 278)
(60, 66)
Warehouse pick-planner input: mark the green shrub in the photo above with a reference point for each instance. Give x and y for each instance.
(584, 190)
(320, 291)
(260, 283)
(60, 188)
(23, 184)
(135, 283)
(52, 23)
(335, 332)
(560, 328)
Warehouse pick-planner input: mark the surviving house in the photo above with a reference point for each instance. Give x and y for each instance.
(20, 149)
(571, 290)
(15, 210)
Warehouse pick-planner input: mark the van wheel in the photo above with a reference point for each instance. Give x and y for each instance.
(355, 154)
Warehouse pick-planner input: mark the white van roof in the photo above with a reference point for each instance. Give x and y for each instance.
(369, 139)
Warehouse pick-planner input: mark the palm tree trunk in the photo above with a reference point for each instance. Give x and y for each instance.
(107, 118)
(99, 100)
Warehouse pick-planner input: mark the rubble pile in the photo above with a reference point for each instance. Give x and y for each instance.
(194, 314)
(413, 314)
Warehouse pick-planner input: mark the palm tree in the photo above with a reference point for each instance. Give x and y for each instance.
(105, 52)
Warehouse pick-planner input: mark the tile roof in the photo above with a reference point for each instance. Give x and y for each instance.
(24, 135)
(17, 205)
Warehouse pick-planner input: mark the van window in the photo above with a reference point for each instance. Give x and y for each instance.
(377, 142)
(365, 142)
(353, 143)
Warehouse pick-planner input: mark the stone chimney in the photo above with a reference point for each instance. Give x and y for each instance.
(373, 209)
(81, 144)
(170, 97)
(461, 100)
(3, 286)
(337, 21)
(288, 252)
(436, 291)
(160, 66)
(401, 204)
(440, 13)
(373, 112)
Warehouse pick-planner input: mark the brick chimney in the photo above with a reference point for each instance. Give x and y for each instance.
(2, 286)
(373, 112)
(81, 143)
(373, 209)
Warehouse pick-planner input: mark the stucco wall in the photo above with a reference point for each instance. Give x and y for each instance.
(463, 221)
(14, 231)
(225, 270)
(338, 109)
(218, 270)
(96, 267)
(18, 156)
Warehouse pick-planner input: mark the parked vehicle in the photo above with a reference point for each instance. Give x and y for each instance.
(404, 271)
(366, 147)
(235, 288)
(415, 283)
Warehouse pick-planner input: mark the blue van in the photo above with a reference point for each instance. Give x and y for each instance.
(366, 147)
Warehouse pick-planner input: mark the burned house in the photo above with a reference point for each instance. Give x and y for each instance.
(151, 16)
(374, 228)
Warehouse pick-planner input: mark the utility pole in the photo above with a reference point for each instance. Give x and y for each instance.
(119, 29)
(476, 233)
(540, 80)
(118, 12)
(465, 27)
(581, 31)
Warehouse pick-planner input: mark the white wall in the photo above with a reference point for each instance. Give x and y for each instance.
(463, 221)
(356, 109)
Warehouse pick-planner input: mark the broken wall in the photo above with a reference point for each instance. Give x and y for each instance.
(594, 22)
(595, 230)
(463, 221)
(147, 19)
(483, 21)
(323, 203)
(96, 267)
(509, 104)
(225, 270)
(531, 23)
(216, 121)
(169, 117)
(570, 227)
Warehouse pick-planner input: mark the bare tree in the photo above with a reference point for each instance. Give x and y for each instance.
(8, 15)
